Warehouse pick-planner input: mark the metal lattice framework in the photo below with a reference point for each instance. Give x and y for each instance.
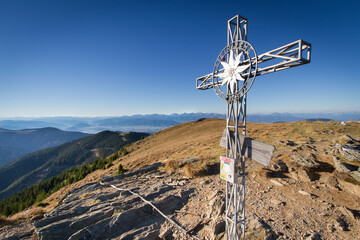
(245, 51)
(291, 55)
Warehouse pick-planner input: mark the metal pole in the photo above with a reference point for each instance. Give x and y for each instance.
(235, 193)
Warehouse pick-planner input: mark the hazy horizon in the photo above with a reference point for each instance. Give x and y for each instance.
(180, 113)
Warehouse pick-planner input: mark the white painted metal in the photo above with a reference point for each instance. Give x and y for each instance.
(291, 55)
(238, 60)
(234, 73)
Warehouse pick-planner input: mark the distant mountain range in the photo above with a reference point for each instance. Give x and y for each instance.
(137, 123)
(154, 122)
(38, 166)
(16, 143)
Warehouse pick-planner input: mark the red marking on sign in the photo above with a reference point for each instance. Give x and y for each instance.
(226, 159)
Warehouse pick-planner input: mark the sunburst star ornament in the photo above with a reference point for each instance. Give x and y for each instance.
(232, 71)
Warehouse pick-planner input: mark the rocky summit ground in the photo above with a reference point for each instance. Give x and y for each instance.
(311, 189)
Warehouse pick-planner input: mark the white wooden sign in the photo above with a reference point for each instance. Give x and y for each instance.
(256, 150)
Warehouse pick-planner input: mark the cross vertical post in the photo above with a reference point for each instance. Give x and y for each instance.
(236, 122)
(234, 72)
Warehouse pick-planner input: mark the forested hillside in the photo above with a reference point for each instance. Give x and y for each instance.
(38, 192)
(17, 143)
(38, 166)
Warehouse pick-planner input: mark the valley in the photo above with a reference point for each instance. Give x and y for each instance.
(16, 143)
(38, 166)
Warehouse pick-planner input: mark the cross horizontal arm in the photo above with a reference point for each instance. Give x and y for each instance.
(204, 82)
(291, 55)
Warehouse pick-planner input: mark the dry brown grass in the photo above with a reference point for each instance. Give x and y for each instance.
(189, 171)
(188, 140)
(201, 140)
(199, 169)
(171, 166)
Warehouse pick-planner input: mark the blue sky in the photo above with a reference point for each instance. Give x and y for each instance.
(112, 58)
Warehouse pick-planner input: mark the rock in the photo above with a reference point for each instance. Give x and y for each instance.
(312, 147)
(304, 193)
(256, 228)
(254, 222)
(310, 140)
(331, 228)
(350, 213)
(23, 230)
(91, 218)
(142, 170)
(37, 217)
(290, 143)
(207, 181)
(214, 194)
(344, 167)
(165, 233)
(349, 139)
(277, 183)
(97, 210)
(312, 236)
(341, 224)
(188, 161)
(216, 207)
(340, 166)
(351, 152)
(219, 227)
(275, 202)
(308, 162)
(305, 175)
(331, 182)
(355, 175)
(280, 166)
(148, 232)
(350, 187)
(352, 170)
(184, 194)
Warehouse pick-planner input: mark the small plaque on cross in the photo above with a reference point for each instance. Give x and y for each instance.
(227, 169)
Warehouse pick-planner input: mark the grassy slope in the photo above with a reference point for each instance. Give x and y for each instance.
(201, 139)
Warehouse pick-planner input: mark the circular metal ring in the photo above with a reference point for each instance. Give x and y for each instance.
(235, 70)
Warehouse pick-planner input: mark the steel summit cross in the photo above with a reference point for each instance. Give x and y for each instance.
(234, 73)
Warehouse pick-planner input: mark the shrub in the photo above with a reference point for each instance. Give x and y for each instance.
(109, 164)
(42, 204)
(121, 169)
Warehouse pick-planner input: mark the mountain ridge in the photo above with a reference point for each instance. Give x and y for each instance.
(16, 143)
(151, 123)
(40, 165)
